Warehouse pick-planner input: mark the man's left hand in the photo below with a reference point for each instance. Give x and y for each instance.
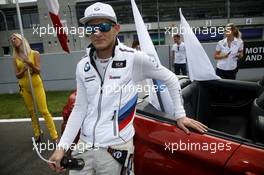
(185, 122)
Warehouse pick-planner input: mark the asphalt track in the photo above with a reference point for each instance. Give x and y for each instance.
(16, 150)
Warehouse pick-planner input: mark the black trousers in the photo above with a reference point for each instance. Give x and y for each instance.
(180, 68)
(226, 74)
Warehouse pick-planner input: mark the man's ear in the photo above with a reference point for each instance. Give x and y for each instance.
(116, 28)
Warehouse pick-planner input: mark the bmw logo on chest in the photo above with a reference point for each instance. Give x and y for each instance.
(87, 67)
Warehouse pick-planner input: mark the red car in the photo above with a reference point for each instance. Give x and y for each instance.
(233, 145)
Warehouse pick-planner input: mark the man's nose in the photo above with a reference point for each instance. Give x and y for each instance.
(97, 33)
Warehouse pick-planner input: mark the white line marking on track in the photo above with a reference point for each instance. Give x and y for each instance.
(24, 120)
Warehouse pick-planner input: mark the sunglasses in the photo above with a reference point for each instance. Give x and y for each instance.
(102, 27)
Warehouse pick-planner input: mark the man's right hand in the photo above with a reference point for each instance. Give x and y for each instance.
(56, 157)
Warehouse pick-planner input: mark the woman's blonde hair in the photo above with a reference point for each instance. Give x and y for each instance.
(24, 41)
(234, 30)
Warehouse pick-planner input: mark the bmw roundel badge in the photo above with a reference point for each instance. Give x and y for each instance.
(87, 67)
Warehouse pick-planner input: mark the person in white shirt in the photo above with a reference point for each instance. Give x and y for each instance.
(228, 51)
(105, 103)
(179, 56)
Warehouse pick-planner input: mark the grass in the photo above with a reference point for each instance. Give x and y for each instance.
(12, 105)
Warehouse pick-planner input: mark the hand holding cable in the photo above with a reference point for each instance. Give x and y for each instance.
(58, 162)
(56, 159)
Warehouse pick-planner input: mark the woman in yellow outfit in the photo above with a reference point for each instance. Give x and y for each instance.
(32, 62)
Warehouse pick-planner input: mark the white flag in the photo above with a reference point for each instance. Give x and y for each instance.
(162, 99)
(199, 65)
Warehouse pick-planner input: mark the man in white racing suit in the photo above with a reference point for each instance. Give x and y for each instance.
(106, 98)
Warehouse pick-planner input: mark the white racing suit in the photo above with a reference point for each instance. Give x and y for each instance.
(105, 105)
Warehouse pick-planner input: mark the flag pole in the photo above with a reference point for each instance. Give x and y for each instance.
(28, 71)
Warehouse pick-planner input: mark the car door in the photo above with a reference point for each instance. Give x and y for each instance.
(247, 160)
(162, 148)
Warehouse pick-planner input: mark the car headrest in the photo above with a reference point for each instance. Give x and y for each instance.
(260, 100)
(184, 82)
(257, 122)
(261, 82)
(260, 128)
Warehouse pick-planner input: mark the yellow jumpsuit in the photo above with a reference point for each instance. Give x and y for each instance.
(40, 98)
